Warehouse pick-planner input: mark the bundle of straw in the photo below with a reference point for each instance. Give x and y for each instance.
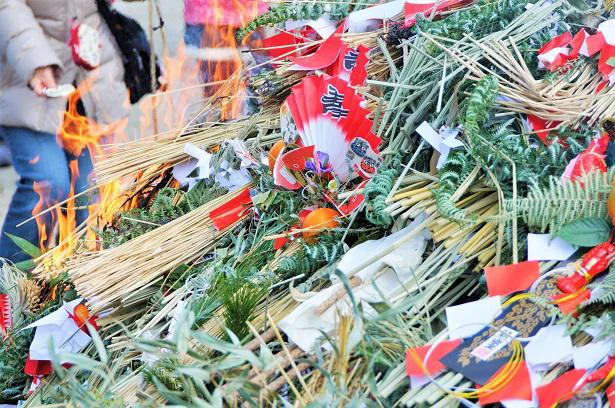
(569, 99)
(107, 276)
(139, 155)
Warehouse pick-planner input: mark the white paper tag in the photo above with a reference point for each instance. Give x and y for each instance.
(607, 28)
(544, 247)
(467, 319)
(495, 343)
(551, 345)
(368, 18)
(430, 135)
(323, 26)
(591, 355)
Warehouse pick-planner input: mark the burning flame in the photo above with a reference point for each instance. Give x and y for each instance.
(43, 193)
(76, 133)
(161, 115)
(222, 60)
(65, 216)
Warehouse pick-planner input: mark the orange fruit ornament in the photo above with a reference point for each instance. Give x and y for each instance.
(317, 220)
(275, 152)
(611, 204)
(82, 314)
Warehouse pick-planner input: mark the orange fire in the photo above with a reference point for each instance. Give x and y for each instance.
(62, 216)
(222, 54)
(67, 221)
(76, 133)
(162, 115)
(43, 193)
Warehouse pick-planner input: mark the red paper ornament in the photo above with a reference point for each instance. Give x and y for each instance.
(85, 45)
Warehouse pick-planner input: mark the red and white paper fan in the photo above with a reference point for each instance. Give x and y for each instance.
(555, 53)
(351, 65)
(6, 314)
(85, 45)
(326, 113)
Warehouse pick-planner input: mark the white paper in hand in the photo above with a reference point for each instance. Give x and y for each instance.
(61, 91)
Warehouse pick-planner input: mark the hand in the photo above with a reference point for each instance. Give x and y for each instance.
(43, 78)
(163, 82)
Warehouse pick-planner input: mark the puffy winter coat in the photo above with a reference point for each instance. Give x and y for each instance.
(34, 33)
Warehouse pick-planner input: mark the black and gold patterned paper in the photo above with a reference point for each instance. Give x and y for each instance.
(524, 316)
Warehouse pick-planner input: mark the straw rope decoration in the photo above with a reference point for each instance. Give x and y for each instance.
(107, 276)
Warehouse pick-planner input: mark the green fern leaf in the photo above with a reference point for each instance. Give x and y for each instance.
(563, 202)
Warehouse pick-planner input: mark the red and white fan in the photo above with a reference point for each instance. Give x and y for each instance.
(6, 314)
(85, 45)
(326, 113)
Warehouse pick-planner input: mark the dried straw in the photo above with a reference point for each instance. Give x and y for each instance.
(110, 275)
(140, 155)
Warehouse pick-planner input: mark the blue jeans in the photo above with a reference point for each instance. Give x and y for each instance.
(37, 157)
(193, 35)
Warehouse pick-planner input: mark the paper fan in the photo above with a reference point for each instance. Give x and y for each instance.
(85, 45)
(351, 65)
(6, 318)
(326, 113)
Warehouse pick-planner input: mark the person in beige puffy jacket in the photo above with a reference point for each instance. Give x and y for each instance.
(35, 56)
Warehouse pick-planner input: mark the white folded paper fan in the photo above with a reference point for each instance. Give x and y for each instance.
(325, 112)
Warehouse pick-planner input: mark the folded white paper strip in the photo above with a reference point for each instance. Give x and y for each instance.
(443, 143)
(549, 346)
(323, 26)
(60, 328)
(231, 179)
(469, 318)
(200, 161)
(591, 355)
(371, 17)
